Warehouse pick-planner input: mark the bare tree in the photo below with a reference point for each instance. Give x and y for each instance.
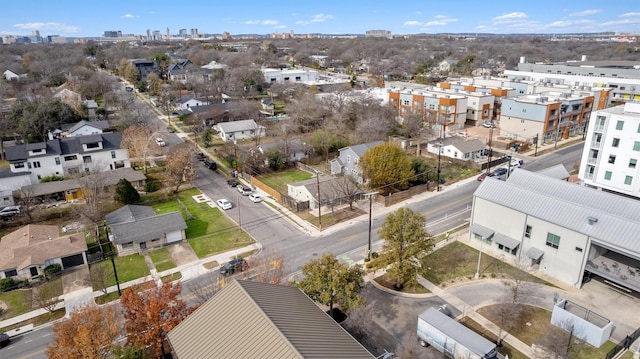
(136, 139)
(266, 267)
(27, 199)
(100, 275)
(204, 288)
(48, 294)
(345, 187)
(180, 166)
(561, 342)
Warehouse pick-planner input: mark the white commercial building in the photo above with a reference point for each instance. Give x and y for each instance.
(612, 150)
(289, 76)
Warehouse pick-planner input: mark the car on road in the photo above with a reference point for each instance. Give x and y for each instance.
(232, 182)
(10, 211)
(160, 142)
(224, 203)
(462, 134)
(170, 129)
(489, 125)
(499, 172)
(233, 266)
(211, 164)
(244, 190)
(129, 89)
(4, 340)
(485, 175)
(255, 198)
(201, 156)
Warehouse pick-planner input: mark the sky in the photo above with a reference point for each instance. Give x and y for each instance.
(73, 18)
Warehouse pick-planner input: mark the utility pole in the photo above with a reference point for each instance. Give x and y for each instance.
(319, 202)
(490, 147)
(370, 195)
(113, 263)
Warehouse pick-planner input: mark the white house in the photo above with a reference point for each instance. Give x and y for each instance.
(69, 156)
(239, 130)
(186, 102)
(12, 76)
(562, 229)
(347, 161)
(459, 148)
(84, 128)
(446, 65)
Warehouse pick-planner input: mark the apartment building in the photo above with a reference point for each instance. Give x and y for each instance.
(550, 116)
(437, 107)
(480, 104)
(612, 150)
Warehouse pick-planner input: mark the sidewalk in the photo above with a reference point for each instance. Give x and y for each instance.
(188, 271)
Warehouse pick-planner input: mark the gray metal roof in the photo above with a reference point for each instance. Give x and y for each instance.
(535, 253)
(458, 332)
(558, 171)
(258, 320)
(483, 231)
(138, 224)
(570, 206)
(506, 241)
(236, 126)
(362, 148)
(65, 146)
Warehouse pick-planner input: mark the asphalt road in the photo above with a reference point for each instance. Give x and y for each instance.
(31, 345)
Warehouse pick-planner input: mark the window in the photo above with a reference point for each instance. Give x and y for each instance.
(607, 175)
(553, 240)
(638, 128)
(127, 245)
(18, 165)
(579, 249)
(507, 249)
(10, 273)
(632, 163)
(527, 231)
(612, 159)
(113, 154)
(36, 164)
(93, 145)
(619, 125)
(58, 161)
(628, 180)
(86, 159)
(71, 158)
(636, 145)
(616, 142)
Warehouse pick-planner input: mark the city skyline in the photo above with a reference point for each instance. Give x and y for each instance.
(92, 19)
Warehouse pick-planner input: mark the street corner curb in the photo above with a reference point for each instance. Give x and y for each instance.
(399, 294)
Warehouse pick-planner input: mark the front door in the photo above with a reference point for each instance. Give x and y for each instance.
(34, 271)
(143, 245)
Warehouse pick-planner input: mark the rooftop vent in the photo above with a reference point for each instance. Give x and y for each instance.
(592, 220)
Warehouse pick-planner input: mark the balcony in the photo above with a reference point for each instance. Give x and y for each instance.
(596, 144)
(592, 160)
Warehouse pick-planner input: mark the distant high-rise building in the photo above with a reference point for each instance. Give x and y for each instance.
(168, 34)
(182, 32)
(148, 34)
(112, 33)
(35, 33)
(156, 35)
(378, 33)
(194, 32)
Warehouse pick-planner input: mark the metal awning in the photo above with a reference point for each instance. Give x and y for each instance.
(506, 241)
(535, 253)
(480, 230)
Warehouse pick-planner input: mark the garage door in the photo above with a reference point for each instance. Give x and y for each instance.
(72, 261)
(174, 236)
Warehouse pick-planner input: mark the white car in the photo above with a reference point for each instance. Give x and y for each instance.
(224, 204)
(160, 142)
(255, 198)
(10, 211)
(489, 125)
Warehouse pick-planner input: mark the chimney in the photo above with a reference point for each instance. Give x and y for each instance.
(50, 135)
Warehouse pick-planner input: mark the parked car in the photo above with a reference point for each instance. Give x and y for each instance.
(232, 182)
(462, 134)
(4, 340)
(10, 211)
(244, 190)
(211, 164)
(224, 203)
(129, 89)
(233, 266)
(170, 129)
(255, 198)
(201, 156)
(499, 172)
(485, 175)
(515, 163)
(489, 125)
(160, 142)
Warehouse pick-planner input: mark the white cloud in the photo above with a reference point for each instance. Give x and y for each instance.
(48, 26)
(128, 16)
(441, 20)
(510, 18)
(269, 22)
(586, 12)
(440, 16)
(321, 17)
(630, 14)
(300, 22)
(252, 22)
(281, 26)
(412, 23)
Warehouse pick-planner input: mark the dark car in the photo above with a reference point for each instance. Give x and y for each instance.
(232, 182)
(201, 156)
(4, 340)
(485, 175)
(211, 164)
(499, 172)
(233, 266)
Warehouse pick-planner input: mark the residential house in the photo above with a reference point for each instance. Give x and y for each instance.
(69, 156)
(26, 252)
(136, 228)
(185, 71)
(560, 229)
(239, 130)
(293, 150)
(188, 101)
(209, 115)
(438, 107)
(92, 106)
(332, 191)
(268, 107)
(459, 148)
(84, 128)
(145, 67)
(69, 97)
(260, 320)
(447, 65)
(289, 76)
(612, 150)
(13, 76)
(347, 161)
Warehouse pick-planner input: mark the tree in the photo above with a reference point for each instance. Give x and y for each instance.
(386, 165)
(89, 333)
(331, 283)
(151, 314)
(406, 240)
(155, 84)
(48, 294)
(561, 341)
(136, 139)
(179, 166)
(266, 267)
(346, 188)
(100, 275)
(125, 193)
(207, 137)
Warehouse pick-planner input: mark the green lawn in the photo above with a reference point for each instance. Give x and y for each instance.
(18, 302)
(129, 268)
(279, 180)
(162, 259)
(505, 349)
(209, 231)
(458, 260)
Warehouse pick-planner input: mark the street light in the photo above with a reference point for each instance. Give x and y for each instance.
(438, 171)
(479, 257)
(113, 263)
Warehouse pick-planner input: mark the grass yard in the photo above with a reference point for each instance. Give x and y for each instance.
(279, 180)
(162, 259)
(129, 268)
(39, 320)
(505, 349)
(209, 231)
(458, 261)
(18, 302)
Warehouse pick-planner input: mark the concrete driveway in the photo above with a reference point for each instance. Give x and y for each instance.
(182, 253)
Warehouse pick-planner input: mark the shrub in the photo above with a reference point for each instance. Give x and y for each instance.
(6, 284)
(52, 269)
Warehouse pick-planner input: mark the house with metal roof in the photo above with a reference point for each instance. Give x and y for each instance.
(25, 252)
(137, 228)
(258, 320)
(567, 231)
(239, 130)
(459, 148)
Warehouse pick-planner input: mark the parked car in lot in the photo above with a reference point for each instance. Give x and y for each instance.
(211, 164)
(255, 198)
(233, 266)
(224, 203)
(485, 175)
(462, 134)
(160, 142)
(244, 190)
(10, 211)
